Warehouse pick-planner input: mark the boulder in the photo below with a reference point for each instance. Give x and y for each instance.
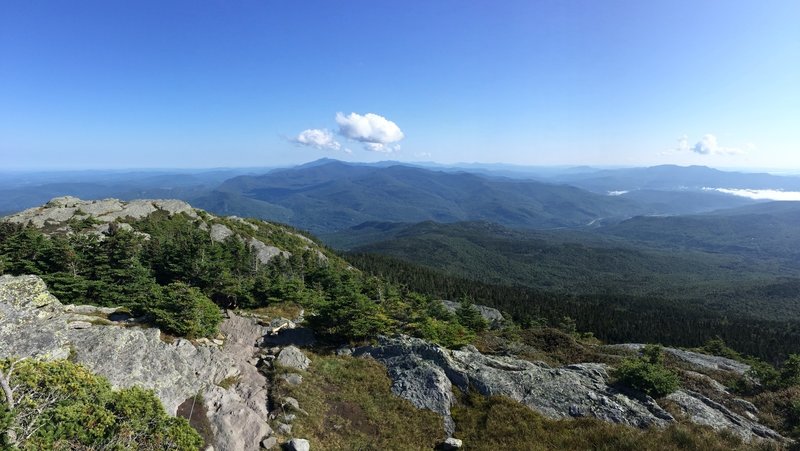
(265, 253)
(284, 429)
(220, 232)
(291, 378)
(269, 443)
(293, 357)
(298, 444)
(451, 444)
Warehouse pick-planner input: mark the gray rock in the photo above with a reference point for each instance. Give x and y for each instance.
(62, 209)
(298, 444)
(747, 406)
(89, 310)
(64, 201)
(174, 206)
(293, 357)
(292, 378)
(710, 382)
(451, 444)
(278, 324)
(269, 443)
(79, 324)
(33, 323)
(220, 232)
(265, 253)
(704, 411)
(424, 374)
(289, 403)
(284, 429)
(702, 361)
(491, 315)
(344, 350)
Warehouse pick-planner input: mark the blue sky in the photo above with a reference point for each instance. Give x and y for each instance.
(112, 84)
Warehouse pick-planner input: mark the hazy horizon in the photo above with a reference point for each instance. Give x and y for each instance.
(427, 164)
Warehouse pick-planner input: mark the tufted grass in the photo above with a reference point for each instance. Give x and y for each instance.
(351, 406)
(497, 423)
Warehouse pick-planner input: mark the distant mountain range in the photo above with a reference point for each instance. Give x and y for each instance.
(328, 195)
(336, 195)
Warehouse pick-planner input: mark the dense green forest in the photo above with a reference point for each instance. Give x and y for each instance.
(611, 317)
(747, 277)
(168, 270)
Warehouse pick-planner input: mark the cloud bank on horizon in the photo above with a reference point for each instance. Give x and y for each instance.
(373, 131)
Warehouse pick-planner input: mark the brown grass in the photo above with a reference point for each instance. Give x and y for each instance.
(500, 423)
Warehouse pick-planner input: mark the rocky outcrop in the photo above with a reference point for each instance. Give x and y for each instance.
(424, 374)
(33, 323)
(62, 209)
(491, 315)
(265, 253)
(238, 414)
(696, 359)
(57, 214)
(703, 410)
(220, 232)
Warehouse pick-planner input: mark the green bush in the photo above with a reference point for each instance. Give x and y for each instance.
(469, 316)
(790, 371)
(185, 311)
(352, 316)
(61, 405)
(648, 374)
(444, 333)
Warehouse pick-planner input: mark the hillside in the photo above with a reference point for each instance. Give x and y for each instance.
(761, 231)
(628, 259)
(258, 336)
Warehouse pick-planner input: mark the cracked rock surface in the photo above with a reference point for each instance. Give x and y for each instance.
(33, 323)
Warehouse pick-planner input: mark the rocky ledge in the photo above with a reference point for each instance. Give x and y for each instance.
(33, 323)
(425, 374)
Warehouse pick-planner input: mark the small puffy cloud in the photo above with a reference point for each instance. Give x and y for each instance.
(708, 145)
(377, 133)
(318, 139)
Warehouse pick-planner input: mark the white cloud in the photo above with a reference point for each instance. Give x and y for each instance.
(761, 194)
(377, 133)
(318, 139)
(708, 145)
